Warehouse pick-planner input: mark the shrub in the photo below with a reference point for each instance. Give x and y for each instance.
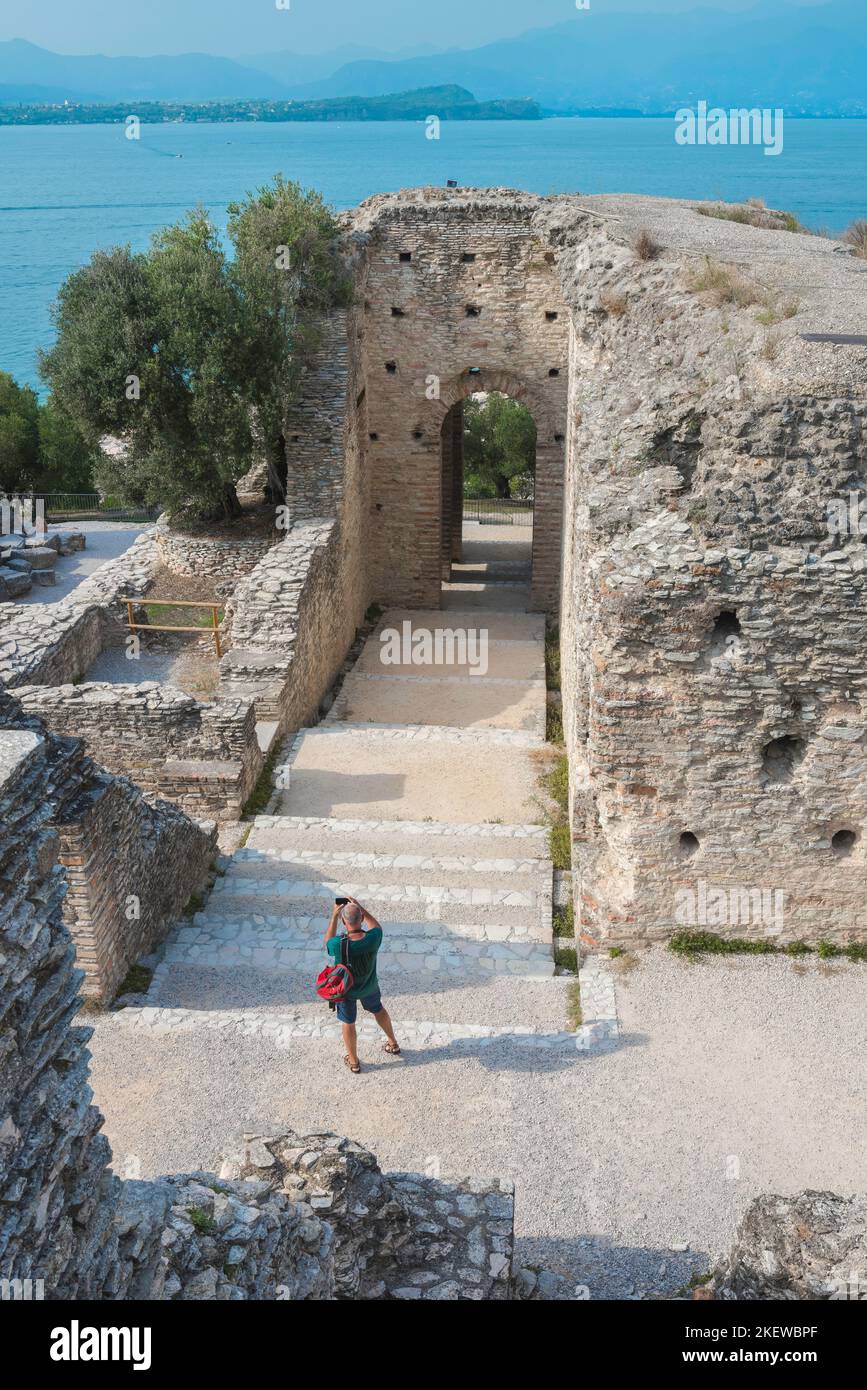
(614, 303)
(645, 245)
(856, 237)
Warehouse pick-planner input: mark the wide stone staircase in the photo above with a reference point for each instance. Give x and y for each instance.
(418, 795)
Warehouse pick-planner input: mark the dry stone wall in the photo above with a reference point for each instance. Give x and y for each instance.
(204, 757)
(291, 623)
(56, 644)
(221, 558)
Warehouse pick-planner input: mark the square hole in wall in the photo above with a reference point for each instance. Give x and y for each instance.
(391, 368)
(405, 257)
(551, 315)
(397, 313)
(473, 311)
(468, 258)
(555, 371)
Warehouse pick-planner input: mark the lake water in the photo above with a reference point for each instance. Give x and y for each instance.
(67, 191)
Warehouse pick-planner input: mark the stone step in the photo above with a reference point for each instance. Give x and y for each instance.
(486, 597)
(282, 1029)
(492, 572)
(500, 626)
(410, 948)
(302, 835)
(398, 772)
(434, 697)
(457, 871)
(511, 659)
(503, 910)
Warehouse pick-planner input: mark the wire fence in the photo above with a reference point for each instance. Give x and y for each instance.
(498, 511)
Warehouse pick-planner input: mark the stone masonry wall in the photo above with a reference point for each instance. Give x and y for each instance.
(223, 558)
(459, 295)
(131, 865)
(291, 623)
(204, 757)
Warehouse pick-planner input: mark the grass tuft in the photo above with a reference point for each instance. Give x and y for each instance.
(574, 1015)
(645, 245)
(697, 943)
(856, 237)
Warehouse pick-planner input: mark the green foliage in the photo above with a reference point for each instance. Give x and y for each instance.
(66, 458)
(695, 943)
(186, 355)
(564, 920)
(201, 1221)
(552, 656)
(574, 1016)
(560, 846)
(499, 448)
(566, 958)
(137, 980)
(557, 783)
(289, 276)
(40, 448)
(19, 435)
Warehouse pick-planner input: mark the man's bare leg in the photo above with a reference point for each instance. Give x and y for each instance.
(384, 1022)
(350, 1042)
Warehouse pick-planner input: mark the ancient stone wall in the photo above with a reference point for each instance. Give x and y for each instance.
(222, 558)
(131, 865)
(712, 661)
(204, 757)
(459, 295)
(291, 623)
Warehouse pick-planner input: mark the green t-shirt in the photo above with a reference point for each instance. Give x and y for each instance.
(362, 961)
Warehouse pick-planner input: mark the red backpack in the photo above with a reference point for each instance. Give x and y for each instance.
(336, 980)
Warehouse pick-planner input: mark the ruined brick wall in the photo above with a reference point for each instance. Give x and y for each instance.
(130, 865)
(205, 757)
(458, 294)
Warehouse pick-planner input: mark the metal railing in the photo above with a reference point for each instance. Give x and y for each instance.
(90, 506)
(215, 608)
(498, 511)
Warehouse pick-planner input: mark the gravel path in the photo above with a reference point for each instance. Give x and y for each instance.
(733, 1078)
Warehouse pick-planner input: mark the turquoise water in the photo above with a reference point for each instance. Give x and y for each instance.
(67, 191)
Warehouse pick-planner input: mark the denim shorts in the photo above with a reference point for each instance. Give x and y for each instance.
(347, 1009)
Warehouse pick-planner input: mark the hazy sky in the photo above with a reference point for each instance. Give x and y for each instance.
(238, 27)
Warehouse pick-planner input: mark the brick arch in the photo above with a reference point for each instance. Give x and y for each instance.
(460, 388)
(550, 465)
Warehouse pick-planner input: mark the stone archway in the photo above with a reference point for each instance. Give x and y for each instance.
(550, 463)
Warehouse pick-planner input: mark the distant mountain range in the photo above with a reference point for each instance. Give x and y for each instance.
(810, 60)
